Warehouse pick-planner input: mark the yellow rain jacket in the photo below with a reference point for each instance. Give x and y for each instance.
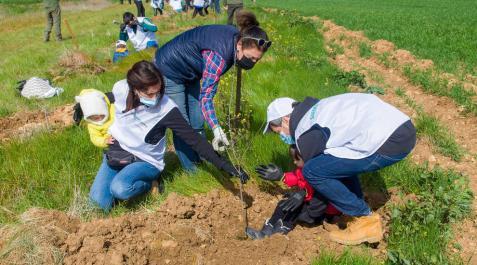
(99, 133)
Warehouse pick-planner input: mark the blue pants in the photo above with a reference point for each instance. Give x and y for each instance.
(216, 4)
(337, 179)
(131, 181)
(187, 99)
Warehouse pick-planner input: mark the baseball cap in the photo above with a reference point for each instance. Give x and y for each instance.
(280, 107)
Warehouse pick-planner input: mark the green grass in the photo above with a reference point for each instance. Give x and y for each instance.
(440, 87)
(347, 258)
(420, 229)
(441, 30)
(430, 127)
(365, 50)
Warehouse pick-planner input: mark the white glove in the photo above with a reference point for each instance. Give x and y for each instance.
(220, 139)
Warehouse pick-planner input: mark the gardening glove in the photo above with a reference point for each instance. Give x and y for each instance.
(220, 139)
(294, 201)
(271, 172)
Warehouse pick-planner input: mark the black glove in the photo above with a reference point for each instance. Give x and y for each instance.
(294, 201)
(233, 171)
(270, 172)
(77, 114)
(122, 27)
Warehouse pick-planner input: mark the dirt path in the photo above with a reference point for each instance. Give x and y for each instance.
(389, 75)
(203, 229)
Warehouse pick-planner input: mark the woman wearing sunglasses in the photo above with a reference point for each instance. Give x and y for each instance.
(204, 54)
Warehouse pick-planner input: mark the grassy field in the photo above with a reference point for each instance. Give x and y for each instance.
(55, 170)
(441, 30)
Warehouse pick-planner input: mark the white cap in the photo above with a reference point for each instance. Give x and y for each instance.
(93, 103)
(120, 42)
(279, 108)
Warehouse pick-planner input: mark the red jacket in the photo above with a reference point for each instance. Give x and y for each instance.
(295, 178)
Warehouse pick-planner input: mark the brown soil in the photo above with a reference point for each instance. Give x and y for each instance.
(203, 229)
(390, 76)
(24, 124)
(75, 62)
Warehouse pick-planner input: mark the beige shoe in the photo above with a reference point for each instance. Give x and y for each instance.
(362, 229)
(337, 223)
(155, 187)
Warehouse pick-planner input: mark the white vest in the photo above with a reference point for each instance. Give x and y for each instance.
(359, 123)
(130, 128)
(141, 37)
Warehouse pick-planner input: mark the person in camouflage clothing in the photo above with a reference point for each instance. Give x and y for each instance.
(53, 17)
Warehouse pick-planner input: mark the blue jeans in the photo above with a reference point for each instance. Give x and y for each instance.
(337, 179)
(131, 181)
(216, 4)
(187, 98)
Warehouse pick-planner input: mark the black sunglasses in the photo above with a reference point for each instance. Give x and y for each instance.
(260, 42)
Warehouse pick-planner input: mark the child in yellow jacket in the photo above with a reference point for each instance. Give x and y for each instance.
(98, 112)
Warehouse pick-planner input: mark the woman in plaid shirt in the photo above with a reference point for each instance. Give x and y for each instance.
(204, 54)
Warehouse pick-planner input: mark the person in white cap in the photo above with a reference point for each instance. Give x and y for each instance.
(340, 137)
(98, 113)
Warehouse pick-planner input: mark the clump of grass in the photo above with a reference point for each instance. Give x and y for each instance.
(346, 258)
(346, 79)
(420, 229)
(437, 86)
(336, 49)
(365, 50)
(430, 127)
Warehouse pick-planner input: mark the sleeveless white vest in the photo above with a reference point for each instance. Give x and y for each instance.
(359, 123)
(130, 128)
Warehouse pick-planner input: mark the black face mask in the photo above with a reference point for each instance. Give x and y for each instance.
(245, 63)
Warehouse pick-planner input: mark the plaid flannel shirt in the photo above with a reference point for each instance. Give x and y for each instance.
(214, 66)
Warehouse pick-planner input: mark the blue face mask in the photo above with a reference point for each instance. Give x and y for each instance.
(149, 102)
(286, 138)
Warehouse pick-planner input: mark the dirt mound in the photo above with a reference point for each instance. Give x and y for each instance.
(24, 124)
(203, 229)
(75, 62)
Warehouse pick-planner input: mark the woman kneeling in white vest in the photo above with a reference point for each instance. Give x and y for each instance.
(143, 113)
(340, 137)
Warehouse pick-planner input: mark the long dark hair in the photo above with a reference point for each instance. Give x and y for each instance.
(249, 27)
(128, 17)
(140, 77)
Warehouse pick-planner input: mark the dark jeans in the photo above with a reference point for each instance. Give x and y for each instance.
(337, 179)
(186, 97)
(122, 1)
(199, 10)
(156, 10)
(141, 12)
(232, 11)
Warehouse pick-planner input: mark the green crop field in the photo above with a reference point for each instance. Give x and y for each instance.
(444, 31)
(54, 170)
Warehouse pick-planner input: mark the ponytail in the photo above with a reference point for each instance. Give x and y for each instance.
(249, 27)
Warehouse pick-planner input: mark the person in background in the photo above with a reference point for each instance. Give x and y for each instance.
(140, 31)
(198, 8)
(176, 5)
(141, 11)
(193, 63)
(158, 6)
(122, 1)
(233, 8)
(304, 205)
(143, 114)
(216, 6)
(121, 51)
(53, 18)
